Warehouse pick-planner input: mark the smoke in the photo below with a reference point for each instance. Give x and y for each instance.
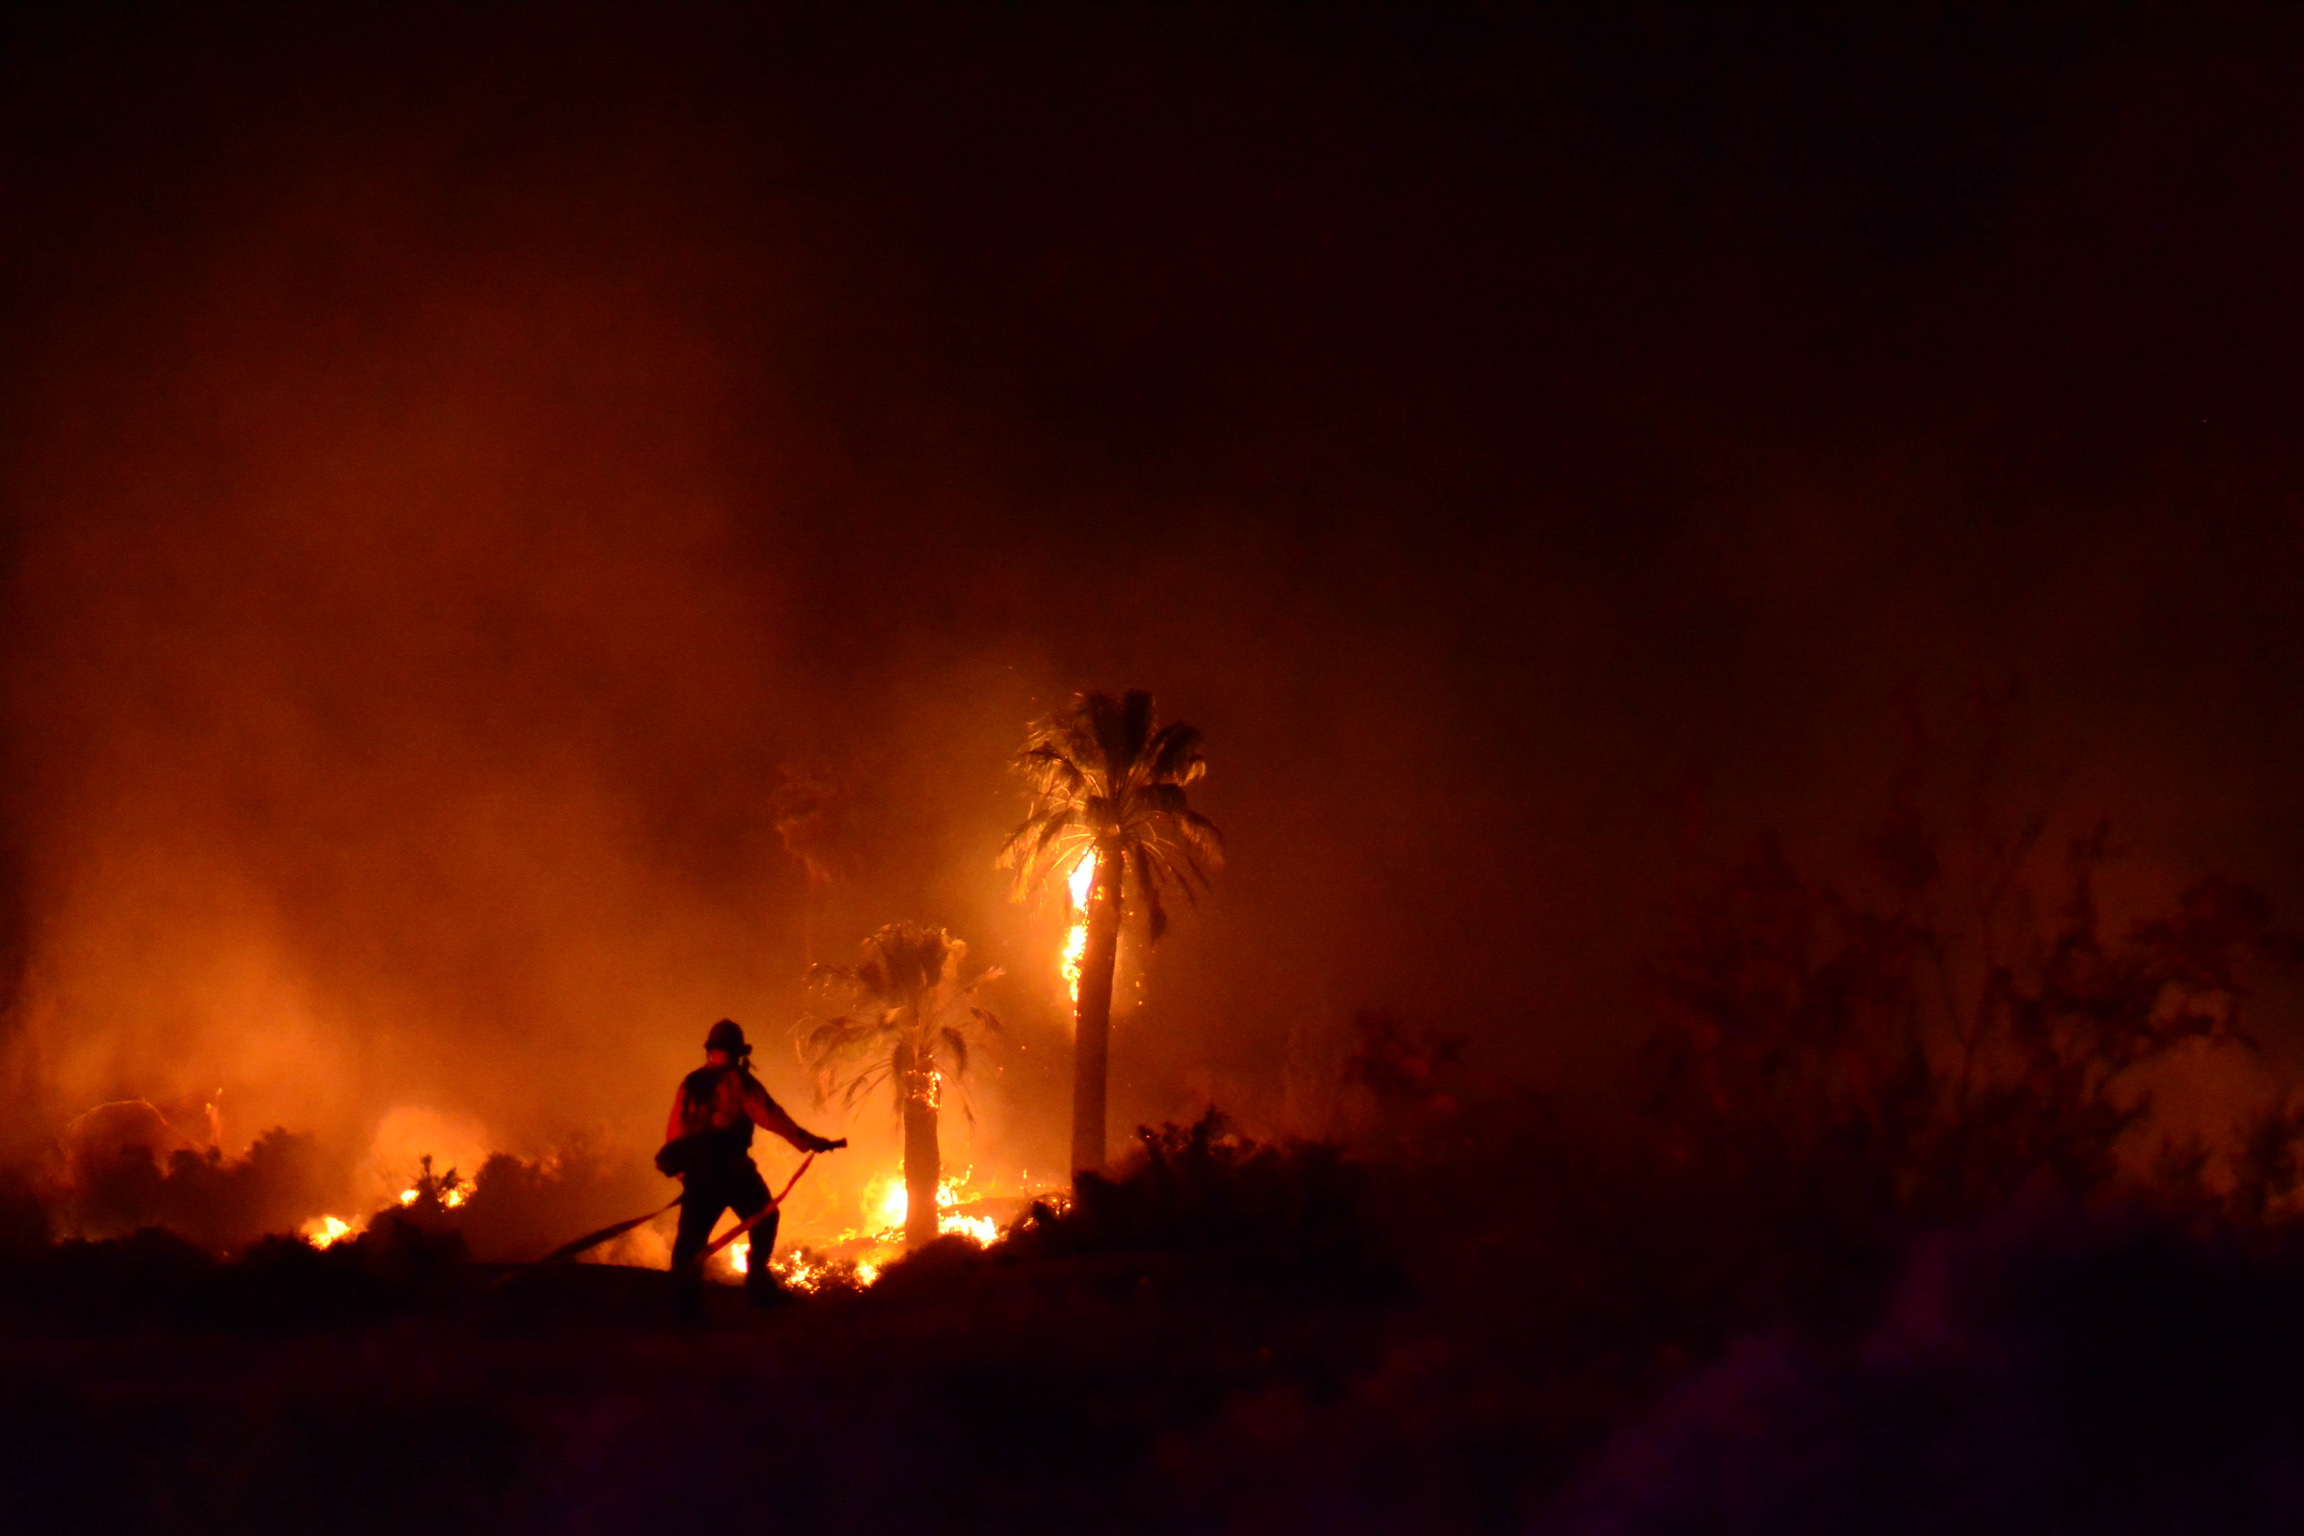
(425, 565)
(368, 745)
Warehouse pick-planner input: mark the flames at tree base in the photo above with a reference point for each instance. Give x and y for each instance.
(855, 1259)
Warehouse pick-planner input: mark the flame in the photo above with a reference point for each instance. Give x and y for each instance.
(1078, 883)
(887, 1211)
(448, 1190)
(802, 1271)
(856, 1259)
(892, 1204)
(322, 1231)
(980, 1230)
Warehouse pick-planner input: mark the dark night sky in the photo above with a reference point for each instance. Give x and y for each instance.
(455, 456)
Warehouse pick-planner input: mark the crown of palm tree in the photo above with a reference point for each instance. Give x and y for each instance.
(1106, 777)
(805, 809)
(904, 987)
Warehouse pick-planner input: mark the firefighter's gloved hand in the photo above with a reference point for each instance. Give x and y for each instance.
(816, 1143)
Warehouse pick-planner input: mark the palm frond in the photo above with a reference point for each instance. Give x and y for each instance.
(1135, 731)
(1015, 852)
(1174, 755)
(862, 1083)
(906, 991)
(1161, 799)
(1190, 850)
(838, 1035)
(1106, 719)
(1198, 829)
(1038, 846)
(1169, 863)
(1053, 826)
(1140, 860)
(1050, 768)
(1105, 771)
(1191, 874)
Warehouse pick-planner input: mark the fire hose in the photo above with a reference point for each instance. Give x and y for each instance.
(595, 1239)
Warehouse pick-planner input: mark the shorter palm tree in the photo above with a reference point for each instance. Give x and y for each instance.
(902, 1014)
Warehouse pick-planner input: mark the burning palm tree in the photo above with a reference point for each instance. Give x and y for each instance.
(1108, 809)
(901, 1014)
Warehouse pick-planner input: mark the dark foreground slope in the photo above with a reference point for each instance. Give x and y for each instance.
(1232, 1339)
(977, 1402)
(394, 1385)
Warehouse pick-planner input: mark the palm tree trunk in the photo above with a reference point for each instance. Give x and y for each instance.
(923, 1160)
(1092, 1033)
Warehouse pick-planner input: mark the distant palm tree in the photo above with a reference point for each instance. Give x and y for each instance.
(806, 807)
(1108, 781)
(901, 1014)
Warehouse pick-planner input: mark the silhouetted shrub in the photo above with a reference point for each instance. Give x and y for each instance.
(517, 1209)
(155, 1278)
(420, 1262)
(523, 1208)
(24, 1224)
(150, 1277)
(1877, 1038)
(1294, 1212)
(217, 1202)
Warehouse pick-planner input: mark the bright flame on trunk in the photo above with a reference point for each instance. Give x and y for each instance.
(1080, 882)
